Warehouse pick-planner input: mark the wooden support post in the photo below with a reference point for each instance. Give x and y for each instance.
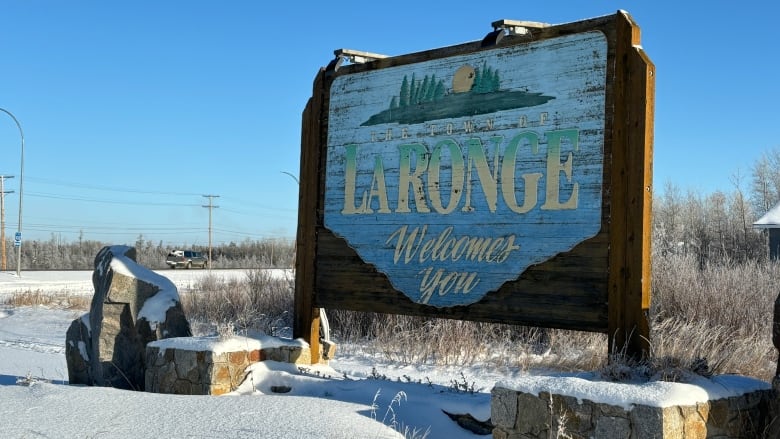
(306, 323)
(630, 268)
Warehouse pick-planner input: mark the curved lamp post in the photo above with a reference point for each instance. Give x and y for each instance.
(324, 325)
(292, 176)
(21, 184)
(295, 243)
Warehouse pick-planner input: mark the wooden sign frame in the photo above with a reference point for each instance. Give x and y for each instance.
(602, 284)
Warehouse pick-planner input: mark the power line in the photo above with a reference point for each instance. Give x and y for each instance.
(60, 183)
(243, 202)
(65, 226)
(94, 200)
(147, 203)
(108, 188)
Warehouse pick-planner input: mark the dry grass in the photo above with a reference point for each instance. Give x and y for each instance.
(257, 303)
(685, 343)
(52, 300)
(721, 312)
(711, 319)
(419, 340)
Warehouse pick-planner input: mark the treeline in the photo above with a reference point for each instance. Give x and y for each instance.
(718, 227)
(713, 228)
(58, 254)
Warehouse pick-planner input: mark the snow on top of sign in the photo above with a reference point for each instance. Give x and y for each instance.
(626, 395)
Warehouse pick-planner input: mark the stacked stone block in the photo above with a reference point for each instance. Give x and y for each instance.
(203, 372)
(520, 415)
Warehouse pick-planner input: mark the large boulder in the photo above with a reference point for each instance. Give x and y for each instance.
(131, 306)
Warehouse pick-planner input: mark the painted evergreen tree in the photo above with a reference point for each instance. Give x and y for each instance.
(413, 90)
(404, 96)
(440, 91)
(486, 80)
(495, 82)
(429, 95)
(475, 86)
(423, 90)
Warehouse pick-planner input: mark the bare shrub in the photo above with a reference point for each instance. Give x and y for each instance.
(715, 348)
(735, 295)
(258, 303)
(719, 311)
(420, 340)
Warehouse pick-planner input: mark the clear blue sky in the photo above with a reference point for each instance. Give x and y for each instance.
(132, 111)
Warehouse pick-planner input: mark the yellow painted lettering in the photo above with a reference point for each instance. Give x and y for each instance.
(350, 176)
(555, 168)
(434, 175)
(488, 181)
(531, 180)
(407, 178)
(378, 188)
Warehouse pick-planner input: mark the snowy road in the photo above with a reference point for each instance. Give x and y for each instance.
(80, 282)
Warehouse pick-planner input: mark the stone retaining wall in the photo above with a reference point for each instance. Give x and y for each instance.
(519, 415)
(186, 367)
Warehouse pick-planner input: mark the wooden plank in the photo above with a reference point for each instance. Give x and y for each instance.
(630, 270)
(559, 293)
(306, 321)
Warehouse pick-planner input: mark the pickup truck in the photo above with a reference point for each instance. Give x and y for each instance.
(186, 259)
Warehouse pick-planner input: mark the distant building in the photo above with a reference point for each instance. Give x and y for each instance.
(771, 221)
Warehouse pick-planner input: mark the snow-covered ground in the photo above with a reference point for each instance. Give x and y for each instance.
(357, 396)
(80, 282)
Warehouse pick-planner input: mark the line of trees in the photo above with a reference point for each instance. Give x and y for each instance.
(718, 227)
(414, 92)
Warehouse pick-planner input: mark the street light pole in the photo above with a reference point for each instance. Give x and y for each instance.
(295, 243)
(292, 176)
(324, 325)
(21, 192)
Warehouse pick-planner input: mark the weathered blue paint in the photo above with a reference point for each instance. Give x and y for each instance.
(453, 176)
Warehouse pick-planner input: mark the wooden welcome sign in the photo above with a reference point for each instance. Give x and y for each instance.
(505, 180)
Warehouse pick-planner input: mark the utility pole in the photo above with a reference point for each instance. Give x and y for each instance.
(210, 207)
(2, 215)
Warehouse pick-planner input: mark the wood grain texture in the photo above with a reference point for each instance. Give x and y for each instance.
(567, 292)
(600, 284)
(630, 269)
(306, 323)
